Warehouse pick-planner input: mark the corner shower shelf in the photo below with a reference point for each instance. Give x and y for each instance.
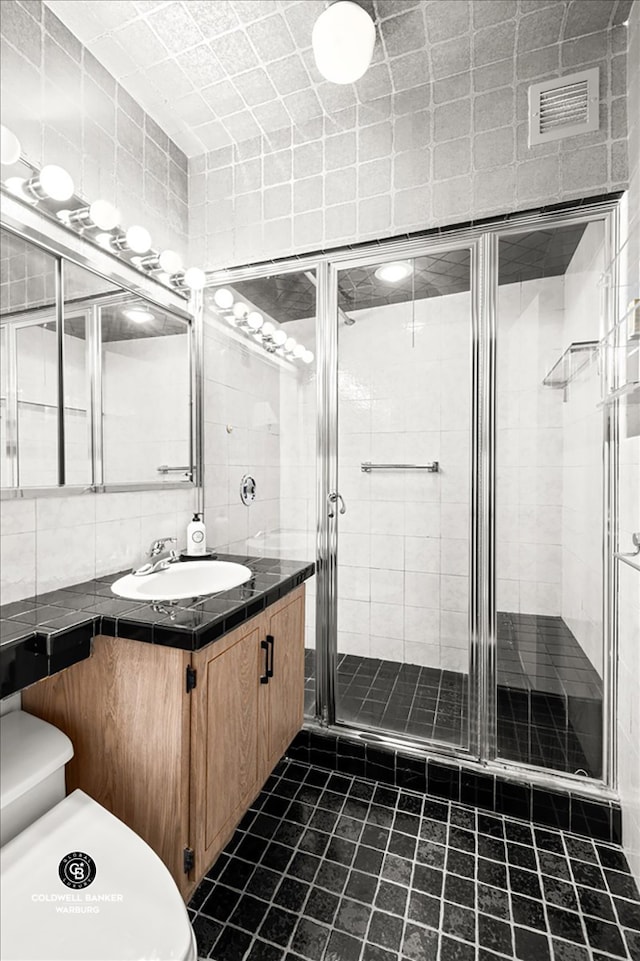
(575, 358)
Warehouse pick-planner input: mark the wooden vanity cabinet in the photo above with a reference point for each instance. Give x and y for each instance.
(178, 744)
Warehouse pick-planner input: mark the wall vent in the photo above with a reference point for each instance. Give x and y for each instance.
(564, 107)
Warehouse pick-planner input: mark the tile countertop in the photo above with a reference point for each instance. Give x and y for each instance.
(41, 635)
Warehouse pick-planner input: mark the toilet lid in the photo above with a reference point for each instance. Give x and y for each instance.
(132, 910)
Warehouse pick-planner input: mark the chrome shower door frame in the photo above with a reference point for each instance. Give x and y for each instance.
(328, 480)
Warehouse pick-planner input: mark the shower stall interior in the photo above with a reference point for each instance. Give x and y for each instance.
(430, 418)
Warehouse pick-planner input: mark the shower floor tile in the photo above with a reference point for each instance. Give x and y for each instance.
(549, 703)
(353, 870)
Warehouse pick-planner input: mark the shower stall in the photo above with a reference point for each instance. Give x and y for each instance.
(446, 450)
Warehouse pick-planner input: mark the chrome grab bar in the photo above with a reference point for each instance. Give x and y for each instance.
(432, 468)
(166, 469)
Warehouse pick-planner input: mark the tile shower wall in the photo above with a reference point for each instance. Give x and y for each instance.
(628, 723)
(71, 111)
(402, 549)
(242, 435)
(529, 446)
(452, 148)
(582, 454)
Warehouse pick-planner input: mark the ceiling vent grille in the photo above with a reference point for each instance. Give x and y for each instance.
(564, 107)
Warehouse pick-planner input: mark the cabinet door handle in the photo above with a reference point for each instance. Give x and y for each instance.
(271, 644)
(264, 679)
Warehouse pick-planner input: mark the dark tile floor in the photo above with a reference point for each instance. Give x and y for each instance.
(332, 868)
(549, 697)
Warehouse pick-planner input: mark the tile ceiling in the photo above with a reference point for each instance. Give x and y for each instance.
(217, 72)
(527, 256)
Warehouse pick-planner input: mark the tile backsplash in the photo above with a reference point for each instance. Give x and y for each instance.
(52, 542)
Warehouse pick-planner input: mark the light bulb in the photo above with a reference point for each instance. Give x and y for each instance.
(223, 298)
(307, 357)
(279, 338)
(170, 261)
(17, 186)
(104, 215)
(55, 182)
(267, 329)
(343, 39)
(289, 344)
(138, 239)
(195, 278)
(240, 310)
(394, 272)
(10, 149)
(138, 315)
(255, 320)
(299, 350)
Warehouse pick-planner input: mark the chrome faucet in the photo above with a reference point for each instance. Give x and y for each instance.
(158, 557)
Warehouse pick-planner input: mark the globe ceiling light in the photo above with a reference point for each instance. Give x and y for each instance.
(170, 262)
(279, 338)
(395, 272)
(10, 149)
(343, 39)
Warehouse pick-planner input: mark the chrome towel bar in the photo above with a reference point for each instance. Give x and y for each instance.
(432, 468)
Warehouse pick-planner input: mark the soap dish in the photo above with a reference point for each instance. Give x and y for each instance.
(207, 556)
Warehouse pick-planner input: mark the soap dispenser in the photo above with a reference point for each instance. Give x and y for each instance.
(196, 537)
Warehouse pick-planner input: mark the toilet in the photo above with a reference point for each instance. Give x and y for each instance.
(76, 883)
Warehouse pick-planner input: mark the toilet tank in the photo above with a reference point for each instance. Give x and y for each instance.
(33, 754)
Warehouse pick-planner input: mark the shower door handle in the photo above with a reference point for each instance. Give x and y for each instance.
(334, 496)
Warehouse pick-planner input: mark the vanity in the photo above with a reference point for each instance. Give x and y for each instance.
(181, 712)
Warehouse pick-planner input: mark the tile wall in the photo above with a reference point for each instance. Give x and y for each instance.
(51, 542)
(242, 436)
(451, 148)
(582, 435)
(628, 726)
(72, 112)
(529, 448)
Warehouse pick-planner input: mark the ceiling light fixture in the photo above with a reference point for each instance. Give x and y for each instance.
(138, 315)
(343, 39)
(395, 272)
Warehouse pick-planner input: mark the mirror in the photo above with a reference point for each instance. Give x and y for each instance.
(121, 366)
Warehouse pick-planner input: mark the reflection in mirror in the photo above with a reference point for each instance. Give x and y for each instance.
(145, 384)
(83, 292)
(126, 379)
(29, 370)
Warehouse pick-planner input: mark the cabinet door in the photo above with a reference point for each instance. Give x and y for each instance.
(285, 690)
(224, 732)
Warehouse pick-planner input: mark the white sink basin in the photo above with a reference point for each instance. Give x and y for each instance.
(180, 580)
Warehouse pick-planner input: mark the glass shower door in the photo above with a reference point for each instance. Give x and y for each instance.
(404, 436)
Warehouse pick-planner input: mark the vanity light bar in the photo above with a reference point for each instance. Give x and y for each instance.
(54, 183)
(251, 322)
